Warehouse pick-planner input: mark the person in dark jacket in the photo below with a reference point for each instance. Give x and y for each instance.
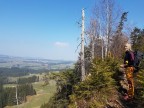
(129, 69)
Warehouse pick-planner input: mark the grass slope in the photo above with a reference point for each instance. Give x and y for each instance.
(43, 95)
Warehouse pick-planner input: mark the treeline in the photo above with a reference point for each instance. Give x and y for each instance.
(7, 80)
(14, 72)
(15, 95)
(28, 80)
(17, 72)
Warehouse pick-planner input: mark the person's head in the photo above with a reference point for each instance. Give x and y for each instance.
(128, 47)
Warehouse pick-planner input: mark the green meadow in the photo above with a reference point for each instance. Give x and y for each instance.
(44, 93)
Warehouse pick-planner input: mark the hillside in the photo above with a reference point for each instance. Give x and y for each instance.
(44, 93)
(101, 89)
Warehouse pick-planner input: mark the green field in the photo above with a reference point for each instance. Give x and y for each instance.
(44, 93)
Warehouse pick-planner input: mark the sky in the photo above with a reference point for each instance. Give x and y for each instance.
(48, 28)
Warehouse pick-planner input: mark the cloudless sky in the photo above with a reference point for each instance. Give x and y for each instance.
(48, 28)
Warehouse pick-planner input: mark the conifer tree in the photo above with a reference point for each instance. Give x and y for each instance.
(137, 39)
(119, 39)
(96, 87)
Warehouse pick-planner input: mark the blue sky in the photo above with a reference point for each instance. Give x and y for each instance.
(48, 28)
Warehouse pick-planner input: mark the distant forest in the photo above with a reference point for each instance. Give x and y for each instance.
(17, 72)
(8, 95)
(14, 71)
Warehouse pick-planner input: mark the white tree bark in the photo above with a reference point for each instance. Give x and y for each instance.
(102, 41)
(82, 49)
(16, 95)
(107, 27)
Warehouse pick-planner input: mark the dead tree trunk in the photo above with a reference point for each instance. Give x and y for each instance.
(82, 49)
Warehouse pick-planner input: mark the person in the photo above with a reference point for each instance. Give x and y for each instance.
(129, 69)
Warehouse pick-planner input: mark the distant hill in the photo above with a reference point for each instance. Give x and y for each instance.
(34, 63)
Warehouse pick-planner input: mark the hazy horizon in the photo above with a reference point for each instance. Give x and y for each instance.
(48, 28)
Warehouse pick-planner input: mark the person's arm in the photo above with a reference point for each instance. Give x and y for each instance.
(126, 59)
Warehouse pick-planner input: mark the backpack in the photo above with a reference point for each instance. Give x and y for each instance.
(138, 56)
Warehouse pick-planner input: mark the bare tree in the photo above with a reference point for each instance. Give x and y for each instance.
(17, 101)
(106, 13)
(92, 35)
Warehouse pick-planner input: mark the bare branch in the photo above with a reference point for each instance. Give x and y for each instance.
(77, 47)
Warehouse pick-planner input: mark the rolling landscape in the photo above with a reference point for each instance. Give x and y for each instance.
(23, 72)
(71, 54)
(44, 93)
(34, 63)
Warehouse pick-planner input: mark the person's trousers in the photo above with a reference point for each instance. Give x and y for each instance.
(129, 75)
